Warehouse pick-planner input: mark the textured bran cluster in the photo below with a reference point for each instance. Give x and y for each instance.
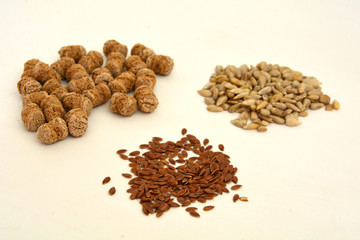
(54, 111)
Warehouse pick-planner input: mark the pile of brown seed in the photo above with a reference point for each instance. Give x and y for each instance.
(267, 93)
(166, 172)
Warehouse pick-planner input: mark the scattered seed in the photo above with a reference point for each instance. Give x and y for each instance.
(183, 131)
(157, 139)
(121, 151)
(208, 208)
(143, 146)
(123, 156)
(134, 153)
(159, 214)
(236, 197)
(244, 199)
(194, 214)
(191, 209)
(106, 180)
(221, 147)
(236, 187)
(127, 175)
(158, 178)
(112, 191)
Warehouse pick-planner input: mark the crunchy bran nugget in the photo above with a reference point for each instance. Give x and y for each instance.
(77, 122)
(72, 51)
(114, 46)
(123, 104)
(53, 131)
(146, 99)
(32, 117)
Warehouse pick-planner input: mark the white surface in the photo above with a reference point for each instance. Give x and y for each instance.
(302, 183)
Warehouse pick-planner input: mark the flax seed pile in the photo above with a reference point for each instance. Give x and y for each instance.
(166, 176)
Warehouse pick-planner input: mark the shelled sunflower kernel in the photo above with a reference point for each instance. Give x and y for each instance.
(123, 104)
(264, 94)
(77, 122)
(72, 51)
(53, 131)
(114, 46)
(101, 75)
(76, 71)
(99, 94)
(123, 83)
(32, 117)
(134, 64)
(62, 65)
(145, 76)
(115, 63)
(146, 99)
(81, 84)
(92, 60)
(76, 100)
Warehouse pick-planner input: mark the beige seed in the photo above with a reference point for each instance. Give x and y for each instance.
(336, 105)
(262, 129)
(280, 105)
(315, 106)
(303, 114)
(264, 123)
(292, 122)
(214, 108)
(329, 107)
(276, 111)
(251, 126)
(239, 122)
(221, 100)
(241, 95)
(209, 100)
(265, 112)
(314, 97)
(253, 116)
(315, 92)
(244, 115)
(205, 93)
(234, 107)
(249, 102)
(262, 81)
(208, 86)
(306, 104)
(302, 88)
(263, 104)
(292, 107)
(265, 90)
(277, 119)
(325, 99)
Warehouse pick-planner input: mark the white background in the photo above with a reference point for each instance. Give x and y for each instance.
(302, 183)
